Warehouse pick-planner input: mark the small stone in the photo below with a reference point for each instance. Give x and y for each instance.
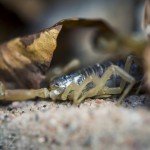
(41, 139)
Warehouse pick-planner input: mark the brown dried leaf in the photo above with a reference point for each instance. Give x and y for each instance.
(80, 22)
(24, 60)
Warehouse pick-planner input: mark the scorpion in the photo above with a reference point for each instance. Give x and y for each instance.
(102, 80)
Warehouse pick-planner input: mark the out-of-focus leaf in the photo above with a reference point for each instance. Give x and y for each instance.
(80, 22)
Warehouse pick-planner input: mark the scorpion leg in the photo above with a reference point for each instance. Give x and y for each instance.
(77, 89)
(139, 89)
(126, 78)
(130, 60)
(67, 91)
(100, 84)
(19, 95)
(80, 95)
(57, 72)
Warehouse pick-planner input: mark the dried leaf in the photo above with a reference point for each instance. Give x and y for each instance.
(80, 22)
(24, 60)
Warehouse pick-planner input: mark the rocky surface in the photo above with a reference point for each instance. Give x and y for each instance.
(95, 124)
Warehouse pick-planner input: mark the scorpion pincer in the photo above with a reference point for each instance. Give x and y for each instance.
(102, 80)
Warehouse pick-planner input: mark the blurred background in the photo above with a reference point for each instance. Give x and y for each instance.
(19, 17)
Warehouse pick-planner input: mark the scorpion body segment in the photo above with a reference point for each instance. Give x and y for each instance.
(79, 76)
(95, 73)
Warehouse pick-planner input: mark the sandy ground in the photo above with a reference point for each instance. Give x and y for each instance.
(95, 124)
